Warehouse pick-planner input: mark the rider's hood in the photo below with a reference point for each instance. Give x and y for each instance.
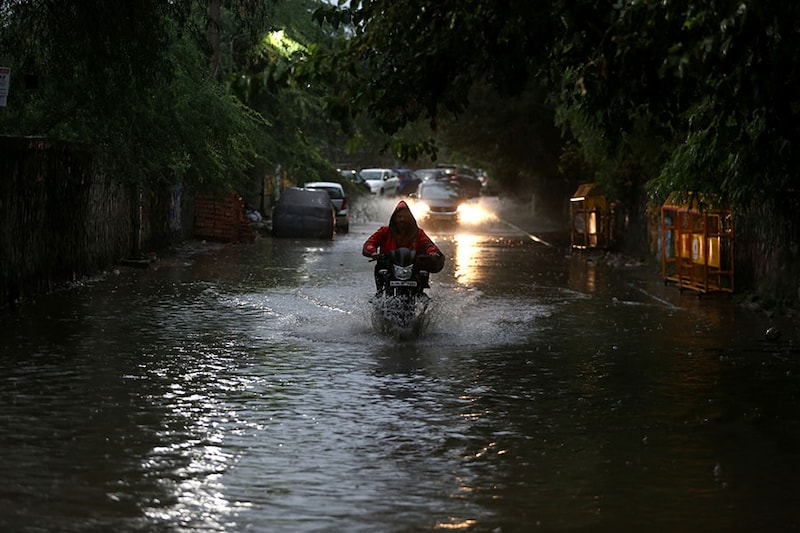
(400, 206)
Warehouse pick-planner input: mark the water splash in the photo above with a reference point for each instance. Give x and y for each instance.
(400, 319)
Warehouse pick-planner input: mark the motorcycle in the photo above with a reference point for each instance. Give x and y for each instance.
(400, 306)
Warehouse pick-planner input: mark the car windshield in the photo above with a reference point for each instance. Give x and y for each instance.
(301, 197)
(372, 174)
(426, 174)
(438, 191)
(333, 192)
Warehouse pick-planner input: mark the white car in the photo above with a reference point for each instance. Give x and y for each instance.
(338, 199)
(381, 181)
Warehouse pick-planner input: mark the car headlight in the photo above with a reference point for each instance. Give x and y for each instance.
(420, 209)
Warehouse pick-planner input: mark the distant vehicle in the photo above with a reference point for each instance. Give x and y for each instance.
(409, 181)
(483, 176)
(356, 178)
(437, 201)
(426, 174)
(381, 181)
(302, 213)
(339, 200)
(465, 176)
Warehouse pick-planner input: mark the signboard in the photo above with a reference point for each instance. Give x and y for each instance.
(5, 77)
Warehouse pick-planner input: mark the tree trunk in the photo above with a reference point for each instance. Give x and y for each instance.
(213, 35)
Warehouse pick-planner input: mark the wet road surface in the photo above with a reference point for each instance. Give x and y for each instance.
(242, 388)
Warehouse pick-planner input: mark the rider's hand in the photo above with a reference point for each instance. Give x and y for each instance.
(375, 255)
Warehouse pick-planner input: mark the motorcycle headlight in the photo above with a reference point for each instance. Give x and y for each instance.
(403, 273)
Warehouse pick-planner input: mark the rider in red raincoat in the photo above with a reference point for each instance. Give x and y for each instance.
(403, 231)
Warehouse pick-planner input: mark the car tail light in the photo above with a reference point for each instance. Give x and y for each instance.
(344, 204)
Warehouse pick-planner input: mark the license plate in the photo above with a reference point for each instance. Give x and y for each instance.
(402, 283)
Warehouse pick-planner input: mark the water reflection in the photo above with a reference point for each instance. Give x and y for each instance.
(191, 462)
(223, 392)
(582, 274)
(467, 258)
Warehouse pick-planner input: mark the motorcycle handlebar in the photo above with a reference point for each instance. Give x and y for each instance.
(384, 256)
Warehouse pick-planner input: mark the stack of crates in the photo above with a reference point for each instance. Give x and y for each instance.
(222, 219)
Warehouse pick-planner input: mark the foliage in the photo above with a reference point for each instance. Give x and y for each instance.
(419, 59)
(512, 136)
(302, 138)
(680, 95)
(209, 128)
(232, 26)
(411, 62)
(696, 79)
(130, 77)
(79, 58)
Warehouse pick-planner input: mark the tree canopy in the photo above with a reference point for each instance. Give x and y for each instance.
(154, 83)
(690, 96)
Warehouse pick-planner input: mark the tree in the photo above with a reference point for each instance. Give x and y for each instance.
(298, 129)
(651, 91)
(699, 78)
(448, 65)
(129, 77)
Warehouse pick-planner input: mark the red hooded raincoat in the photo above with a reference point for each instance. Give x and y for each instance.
(388, 238)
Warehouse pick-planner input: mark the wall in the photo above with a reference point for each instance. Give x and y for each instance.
(65, 213)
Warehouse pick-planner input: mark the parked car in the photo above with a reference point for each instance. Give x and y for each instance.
(437, 201)
(339, 200)
(381, 181)
(409, 181)
(425, 174)
(465, 177)
(302, 213)
(484, 177)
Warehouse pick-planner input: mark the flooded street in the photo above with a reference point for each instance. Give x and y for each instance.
(242, 388)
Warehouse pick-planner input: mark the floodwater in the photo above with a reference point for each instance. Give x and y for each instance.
(242, 388)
